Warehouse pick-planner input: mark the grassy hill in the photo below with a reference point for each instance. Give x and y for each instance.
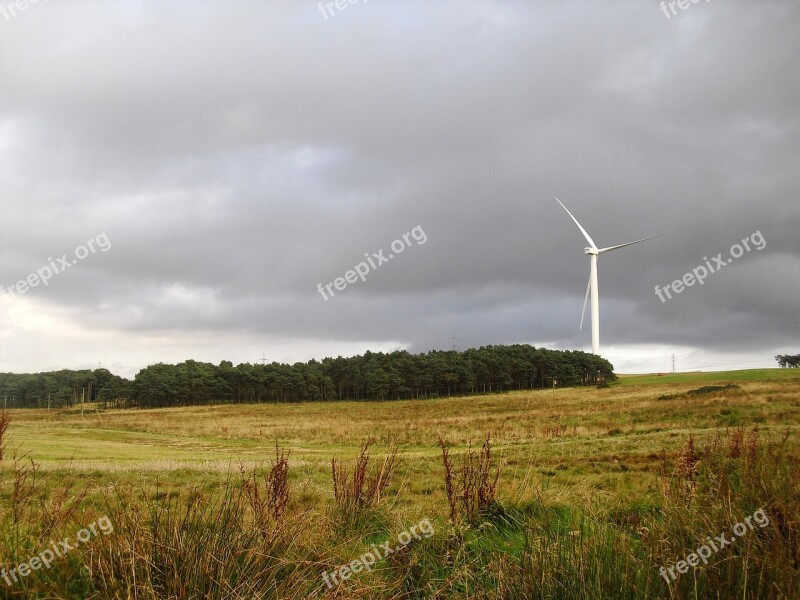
(701, 377)
(586, 475)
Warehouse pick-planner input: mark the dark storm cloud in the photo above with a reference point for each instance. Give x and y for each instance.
(237, 155)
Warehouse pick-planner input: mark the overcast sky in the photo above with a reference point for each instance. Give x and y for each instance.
(227, 157)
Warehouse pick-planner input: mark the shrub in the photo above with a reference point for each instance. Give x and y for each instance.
(197, 547)
(5, 421)
(364, 487)
(702, 391)
(269, 501)
(472, 487)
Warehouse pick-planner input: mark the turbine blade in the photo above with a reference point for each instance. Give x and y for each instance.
(583, 231)
(585, 300)
(610, 248)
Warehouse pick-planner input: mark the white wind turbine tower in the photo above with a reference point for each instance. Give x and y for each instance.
(593, 251)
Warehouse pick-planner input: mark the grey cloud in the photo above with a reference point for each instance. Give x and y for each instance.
(239, 154)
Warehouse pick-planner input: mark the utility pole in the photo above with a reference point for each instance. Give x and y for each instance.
(263, 359)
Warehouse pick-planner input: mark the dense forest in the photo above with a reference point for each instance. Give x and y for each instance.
(62, 388)
(373, 376)
(791, 361)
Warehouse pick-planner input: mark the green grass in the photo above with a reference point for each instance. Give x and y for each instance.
(709, 376)
(578, 465)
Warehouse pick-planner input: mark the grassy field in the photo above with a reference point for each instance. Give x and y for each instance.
(701, 377)
(576, 465)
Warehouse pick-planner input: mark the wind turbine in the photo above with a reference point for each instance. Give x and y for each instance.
(593, 251)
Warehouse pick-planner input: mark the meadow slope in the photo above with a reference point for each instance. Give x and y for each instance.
(581, 452)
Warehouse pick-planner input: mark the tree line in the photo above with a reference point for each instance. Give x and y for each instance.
(59, 389)
(791, 361)
(373, 376)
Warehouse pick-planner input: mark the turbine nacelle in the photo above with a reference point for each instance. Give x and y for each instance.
(594, 251)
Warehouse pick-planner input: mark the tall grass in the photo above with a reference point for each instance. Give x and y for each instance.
(562, 552)
(5, 421)
(268, 501)
(363, 487)
(471, 485)
(199, 547)
(705, 492)
(248, 539)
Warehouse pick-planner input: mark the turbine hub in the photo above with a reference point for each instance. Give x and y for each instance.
(590, 251)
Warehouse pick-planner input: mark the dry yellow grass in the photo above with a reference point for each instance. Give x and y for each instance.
(588, 444)
(566, 454)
